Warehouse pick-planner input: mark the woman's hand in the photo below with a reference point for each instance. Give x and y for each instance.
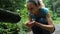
(30, 24)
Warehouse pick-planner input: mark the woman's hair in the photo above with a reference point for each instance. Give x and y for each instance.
(41, 3)
(37, 2)
(34, 1)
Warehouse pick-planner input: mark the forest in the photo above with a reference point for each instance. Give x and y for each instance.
(19, 6)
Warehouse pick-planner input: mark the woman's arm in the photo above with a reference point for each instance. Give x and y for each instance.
(29, 23)
(48, 27)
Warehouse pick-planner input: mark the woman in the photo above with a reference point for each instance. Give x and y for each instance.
(39, 20)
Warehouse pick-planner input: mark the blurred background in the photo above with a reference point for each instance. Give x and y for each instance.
(19, 6)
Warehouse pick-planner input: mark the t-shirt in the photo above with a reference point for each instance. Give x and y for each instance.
(42, 19)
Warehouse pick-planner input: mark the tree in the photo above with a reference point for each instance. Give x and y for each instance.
(12, 5)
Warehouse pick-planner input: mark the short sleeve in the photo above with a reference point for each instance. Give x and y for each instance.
(44, 11)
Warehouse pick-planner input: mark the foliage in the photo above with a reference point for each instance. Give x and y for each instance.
(18, 6)
(14, 6)
(8, 28)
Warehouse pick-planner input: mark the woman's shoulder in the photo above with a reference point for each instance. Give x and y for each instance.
(44, 9)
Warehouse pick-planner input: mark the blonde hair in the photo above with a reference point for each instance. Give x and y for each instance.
(41, 3)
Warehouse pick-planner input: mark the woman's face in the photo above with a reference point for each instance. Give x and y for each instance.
(32, 8)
